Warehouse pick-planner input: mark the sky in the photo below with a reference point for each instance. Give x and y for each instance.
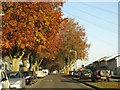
(100, 20)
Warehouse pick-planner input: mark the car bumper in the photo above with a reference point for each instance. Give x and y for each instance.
(16, 86)
(40, 76)
(103, 77)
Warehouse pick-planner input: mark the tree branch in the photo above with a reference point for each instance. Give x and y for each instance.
(23, 52)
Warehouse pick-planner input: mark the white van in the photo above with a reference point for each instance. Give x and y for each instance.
(40, 74)
(4, 82)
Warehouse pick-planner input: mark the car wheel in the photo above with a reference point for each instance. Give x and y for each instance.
(108, 80)
(93, 79)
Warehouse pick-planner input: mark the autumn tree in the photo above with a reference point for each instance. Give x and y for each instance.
(30, 27)
(73, 37)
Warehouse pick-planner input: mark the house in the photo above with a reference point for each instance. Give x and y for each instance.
(111, 61)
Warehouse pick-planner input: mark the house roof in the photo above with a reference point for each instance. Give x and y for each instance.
(107, 58)
(103, 58)
(112, 57)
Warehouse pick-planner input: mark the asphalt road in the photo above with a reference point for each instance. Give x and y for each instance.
(58, 81)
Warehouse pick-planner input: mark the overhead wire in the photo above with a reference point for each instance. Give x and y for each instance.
(91, 15)
(99, 8)
(88, 21)
(107, 43)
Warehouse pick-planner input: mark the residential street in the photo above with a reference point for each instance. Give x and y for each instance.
(58, 81)
(52, 44)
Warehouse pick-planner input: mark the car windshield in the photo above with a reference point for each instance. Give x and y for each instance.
(87, 71)
(13, 75)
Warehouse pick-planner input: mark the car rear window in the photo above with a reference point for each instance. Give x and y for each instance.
(92, 68)
(104, 67)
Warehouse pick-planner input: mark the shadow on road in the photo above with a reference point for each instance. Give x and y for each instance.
(70, 81)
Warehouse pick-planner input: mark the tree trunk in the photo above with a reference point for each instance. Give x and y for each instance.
(25, 64)
(25, 68)
(66, 70)
(34, 67)
(70, 67)
(39, 63)
(15, 64)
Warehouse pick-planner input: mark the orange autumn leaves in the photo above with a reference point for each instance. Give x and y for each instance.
(40, 27)
(73, 38)
(31, 25)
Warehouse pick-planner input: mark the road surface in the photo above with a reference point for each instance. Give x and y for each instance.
(58, 81)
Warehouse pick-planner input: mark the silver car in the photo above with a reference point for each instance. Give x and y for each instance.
(16, 80)
(4, 82)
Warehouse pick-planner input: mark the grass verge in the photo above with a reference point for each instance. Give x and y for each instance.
(105, 84)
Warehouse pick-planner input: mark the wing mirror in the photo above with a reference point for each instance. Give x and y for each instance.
(4, 79)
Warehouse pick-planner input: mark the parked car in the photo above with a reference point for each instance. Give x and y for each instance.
(101, 73)
(71, 73)
(4, 82)
(55, 72)
(40, 74)
(46, 71)
(28, 77)
(76, 73)
(85, 74)
(33, 74)
(16, 79)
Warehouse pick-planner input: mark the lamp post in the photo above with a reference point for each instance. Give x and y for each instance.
(75, 56)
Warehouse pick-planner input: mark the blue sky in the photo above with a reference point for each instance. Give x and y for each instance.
(100, 20)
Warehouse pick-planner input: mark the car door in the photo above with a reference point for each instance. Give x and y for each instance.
(22, 80)
(4, 80)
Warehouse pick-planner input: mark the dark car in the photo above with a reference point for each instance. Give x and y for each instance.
(75, 73)
(85, 74)
(33, 75)
(28, 77)
(101, 73)
(71, 73)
